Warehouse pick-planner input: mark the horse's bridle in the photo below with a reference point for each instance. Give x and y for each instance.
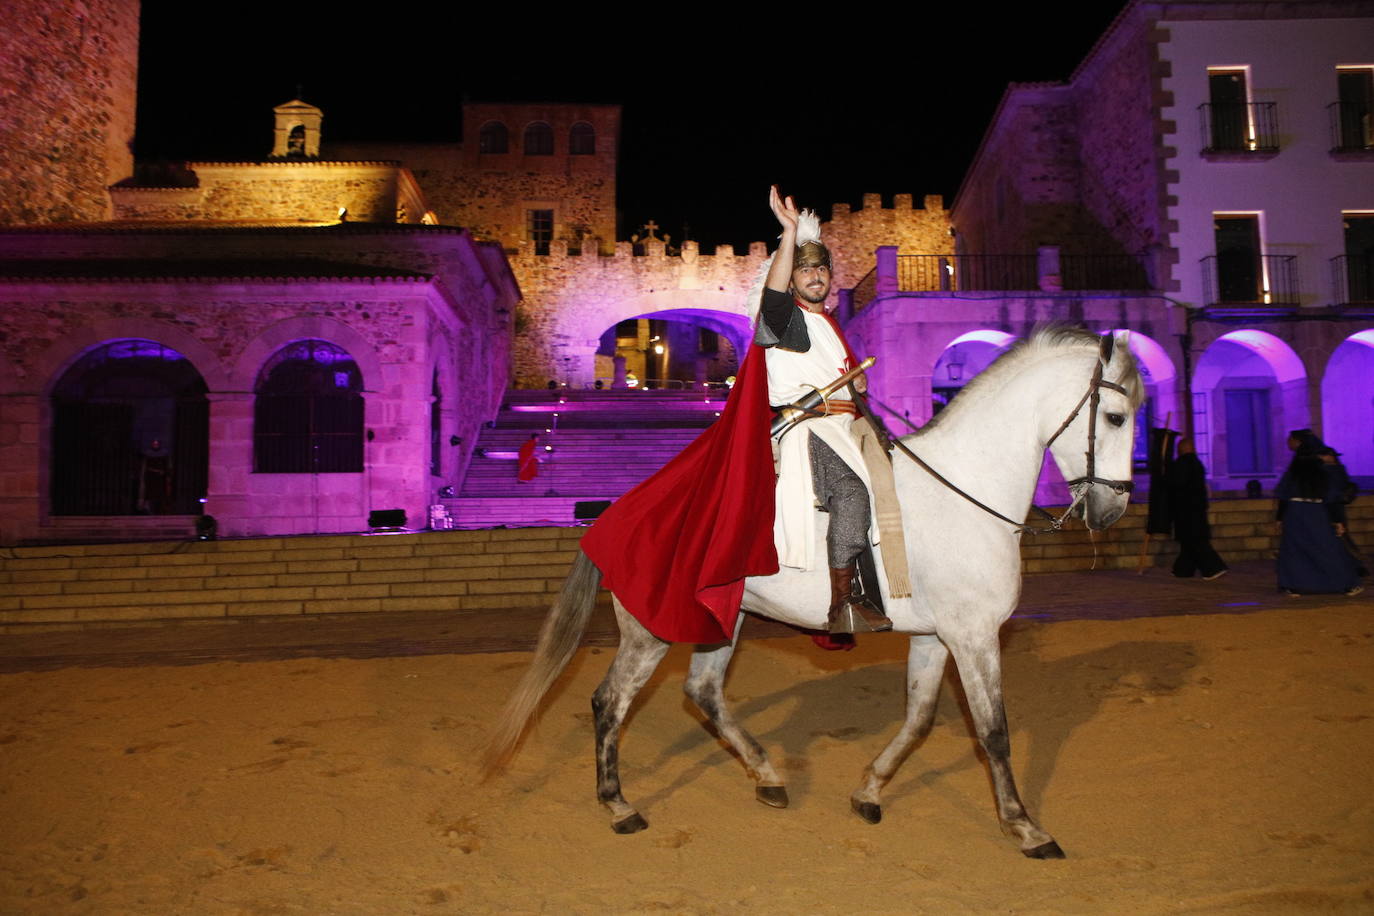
(1092, 397)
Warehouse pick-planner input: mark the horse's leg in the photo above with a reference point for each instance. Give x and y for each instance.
(705, 685)
(925, 669)
(639, 654)
(980, 670)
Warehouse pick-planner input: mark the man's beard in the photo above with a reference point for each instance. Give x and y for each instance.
(816, 297)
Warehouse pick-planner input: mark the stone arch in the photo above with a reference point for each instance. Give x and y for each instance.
(50, 364)
(584, 322)
(1249, 390)
(961, 359)
(1347, 391)
(128, 432)
(306, 327)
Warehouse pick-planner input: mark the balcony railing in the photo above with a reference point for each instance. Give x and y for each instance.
(1243, 279)
(950, 272)
(1239, 127)
(1352, 127)
(1103, 271)
(1352, 278)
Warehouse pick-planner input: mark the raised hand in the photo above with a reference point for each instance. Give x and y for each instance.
(783, 208)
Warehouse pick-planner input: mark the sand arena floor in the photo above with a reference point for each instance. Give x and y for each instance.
(1195, 764)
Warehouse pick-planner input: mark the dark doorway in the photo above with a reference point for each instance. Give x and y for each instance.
(130, 433)
(1356, 118)
(1229, 119)
(1238, 258)
(1359, 257)
(1247, 431)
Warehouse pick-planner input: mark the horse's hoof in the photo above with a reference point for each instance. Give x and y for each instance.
(772, 796)
(632, 824)
(1048, 850)
(867, 810)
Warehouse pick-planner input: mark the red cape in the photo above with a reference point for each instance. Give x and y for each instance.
(676, 549)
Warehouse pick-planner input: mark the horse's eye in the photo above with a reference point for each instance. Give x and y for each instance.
(1116, 419)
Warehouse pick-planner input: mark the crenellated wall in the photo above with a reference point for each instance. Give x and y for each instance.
(570, 300)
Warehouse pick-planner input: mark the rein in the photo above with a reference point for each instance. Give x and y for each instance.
(1092, 396)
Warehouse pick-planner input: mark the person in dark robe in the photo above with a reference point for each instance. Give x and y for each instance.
(1187, 484)
(1312, 558)
(1348, 491)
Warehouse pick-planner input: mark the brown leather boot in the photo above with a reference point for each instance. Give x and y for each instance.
(848, 613)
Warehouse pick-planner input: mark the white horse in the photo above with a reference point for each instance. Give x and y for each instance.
(964, 559)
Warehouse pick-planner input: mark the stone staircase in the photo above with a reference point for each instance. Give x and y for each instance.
(447, 571)
(593, 445)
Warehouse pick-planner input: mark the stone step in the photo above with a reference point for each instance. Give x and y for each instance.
(451, 571)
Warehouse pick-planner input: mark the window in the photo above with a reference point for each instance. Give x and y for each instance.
(539, 229)
(493, 138)
(582, 139)
(308, 411)
(539, 139)
(1354, 117)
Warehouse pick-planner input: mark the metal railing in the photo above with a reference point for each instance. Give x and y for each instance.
(1011, 273)
(937, 272)
(1352, 127)
(1239, 127)
(1246, 279)
(1103, 271)
(1352, 279)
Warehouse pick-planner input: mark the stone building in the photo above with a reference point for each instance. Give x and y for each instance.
(1205, 179)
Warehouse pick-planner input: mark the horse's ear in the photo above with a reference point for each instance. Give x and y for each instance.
(1108, 347)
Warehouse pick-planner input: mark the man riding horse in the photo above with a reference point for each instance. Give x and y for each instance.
(721, 511)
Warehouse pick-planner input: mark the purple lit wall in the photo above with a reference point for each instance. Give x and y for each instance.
(1348, 402)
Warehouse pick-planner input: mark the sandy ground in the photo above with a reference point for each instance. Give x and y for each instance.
(1208, 764)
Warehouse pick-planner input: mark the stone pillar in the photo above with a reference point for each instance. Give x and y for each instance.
(227, 492)
(1047, 269)
(946, 275)
(619, 380)
(886, 256)
(21, 464)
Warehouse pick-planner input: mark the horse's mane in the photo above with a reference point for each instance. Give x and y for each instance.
(1043, 341)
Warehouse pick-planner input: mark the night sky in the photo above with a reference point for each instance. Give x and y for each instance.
(715, 107)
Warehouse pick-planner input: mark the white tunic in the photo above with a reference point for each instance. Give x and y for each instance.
(791, 376)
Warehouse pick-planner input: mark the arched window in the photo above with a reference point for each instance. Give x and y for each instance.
(308, 411)
(494, 138)
(538, 139)
(582, 139)
(130, 433)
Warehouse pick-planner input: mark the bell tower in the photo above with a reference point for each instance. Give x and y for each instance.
(297, 133)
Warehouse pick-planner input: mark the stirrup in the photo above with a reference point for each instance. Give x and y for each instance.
(856, 615)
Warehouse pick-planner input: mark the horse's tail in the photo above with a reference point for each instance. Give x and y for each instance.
(558, 640)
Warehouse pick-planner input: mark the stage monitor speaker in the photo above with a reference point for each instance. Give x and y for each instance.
(589, 509)
(386, 518)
